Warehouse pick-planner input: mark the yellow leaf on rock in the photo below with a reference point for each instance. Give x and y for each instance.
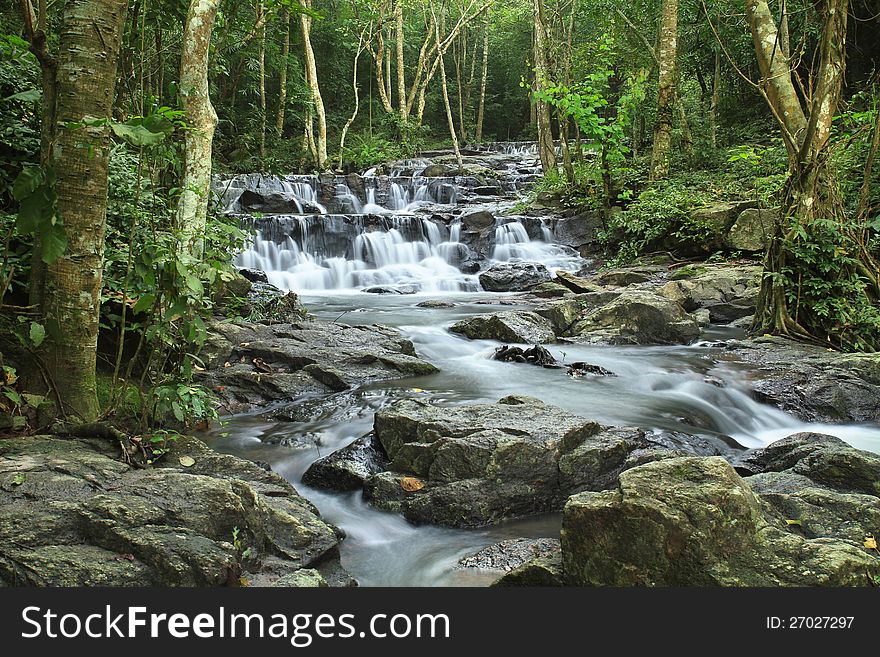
(187, 461)
(411, 484)
(870, 542)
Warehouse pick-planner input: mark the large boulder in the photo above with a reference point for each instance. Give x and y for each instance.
(695, 522)
(752, 231)
(512, 326)
(811, 382)
(638, 317)
(474, 465)
(250, 365)
(514, 276)
(581, 232)
(75, 515)
(728, 293)
(709, 226)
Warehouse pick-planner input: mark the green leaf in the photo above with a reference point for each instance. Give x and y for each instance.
(137, 135)
(19, 479)
(29, 96)
(145, 302)
(178, 411)
(54, 243)
(13, 397)
(33, 400)
(28, 180)
(37, 334)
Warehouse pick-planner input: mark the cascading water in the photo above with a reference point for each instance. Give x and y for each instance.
(397, 231)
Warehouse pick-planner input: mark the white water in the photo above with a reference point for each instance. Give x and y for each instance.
(404, 249)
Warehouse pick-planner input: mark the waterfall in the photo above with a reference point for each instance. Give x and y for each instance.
(400, 230)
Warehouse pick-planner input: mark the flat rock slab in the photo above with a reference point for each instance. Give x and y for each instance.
(252, 365)
(74, 515)
(474, 465)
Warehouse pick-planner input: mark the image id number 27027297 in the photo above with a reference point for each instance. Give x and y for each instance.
(810, 622)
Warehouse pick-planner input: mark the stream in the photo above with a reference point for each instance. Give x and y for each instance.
(404, 232)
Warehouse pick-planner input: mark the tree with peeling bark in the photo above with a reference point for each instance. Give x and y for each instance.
(192, 208)
(80, 81)
(484, 77)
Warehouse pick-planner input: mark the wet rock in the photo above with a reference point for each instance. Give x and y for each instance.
(483, 463)
(251, 365)
(478, 220)
(348, 468)
(305, 578)
(514, 277)
(638, 317)
(392, 289)
(254, 275)
(810, 382)
(487, 190)
(752, 231)
(80, 517)
(694, 522)
(581, 232)
(627, 277)
(435, 303)
(550, 290)
(535, 356)
(825, 460)
(510, 554)
(576, 284)
(438, 171)
(513, 326)
(540, 571)
(583, 369)
(728, 293)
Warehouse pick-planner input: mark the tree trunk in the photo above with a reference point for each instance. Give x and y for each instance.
(810, 194)
(357, 98)
(88, 52)
(282, 75)
(262, 74)
(401, 71)
(305, 23)
(667, 56)
(546, 147)
(478, 134)
(445, 90)
(192, 207)
(716, 98)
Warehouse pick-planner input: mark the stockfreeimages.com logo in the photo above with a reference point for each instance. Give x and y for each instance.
(300, 629)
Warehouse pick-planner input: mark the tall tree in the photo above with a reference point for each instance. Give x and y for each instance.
(546, 146)
(812, 208)
(305, 23)
(481, 108)
(192, 208)
(282, 73)
(81, 82)
(667, 58)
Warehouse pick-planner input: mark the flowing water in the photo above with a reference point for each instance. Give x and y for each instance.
(328, 258)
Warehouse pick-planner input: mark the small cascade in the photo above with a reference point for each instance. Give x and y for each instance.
(392, 227)
(512, 243)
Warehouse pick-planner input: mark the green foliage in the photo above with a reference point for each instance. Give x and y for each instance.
(34, 189)
(825, 290)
